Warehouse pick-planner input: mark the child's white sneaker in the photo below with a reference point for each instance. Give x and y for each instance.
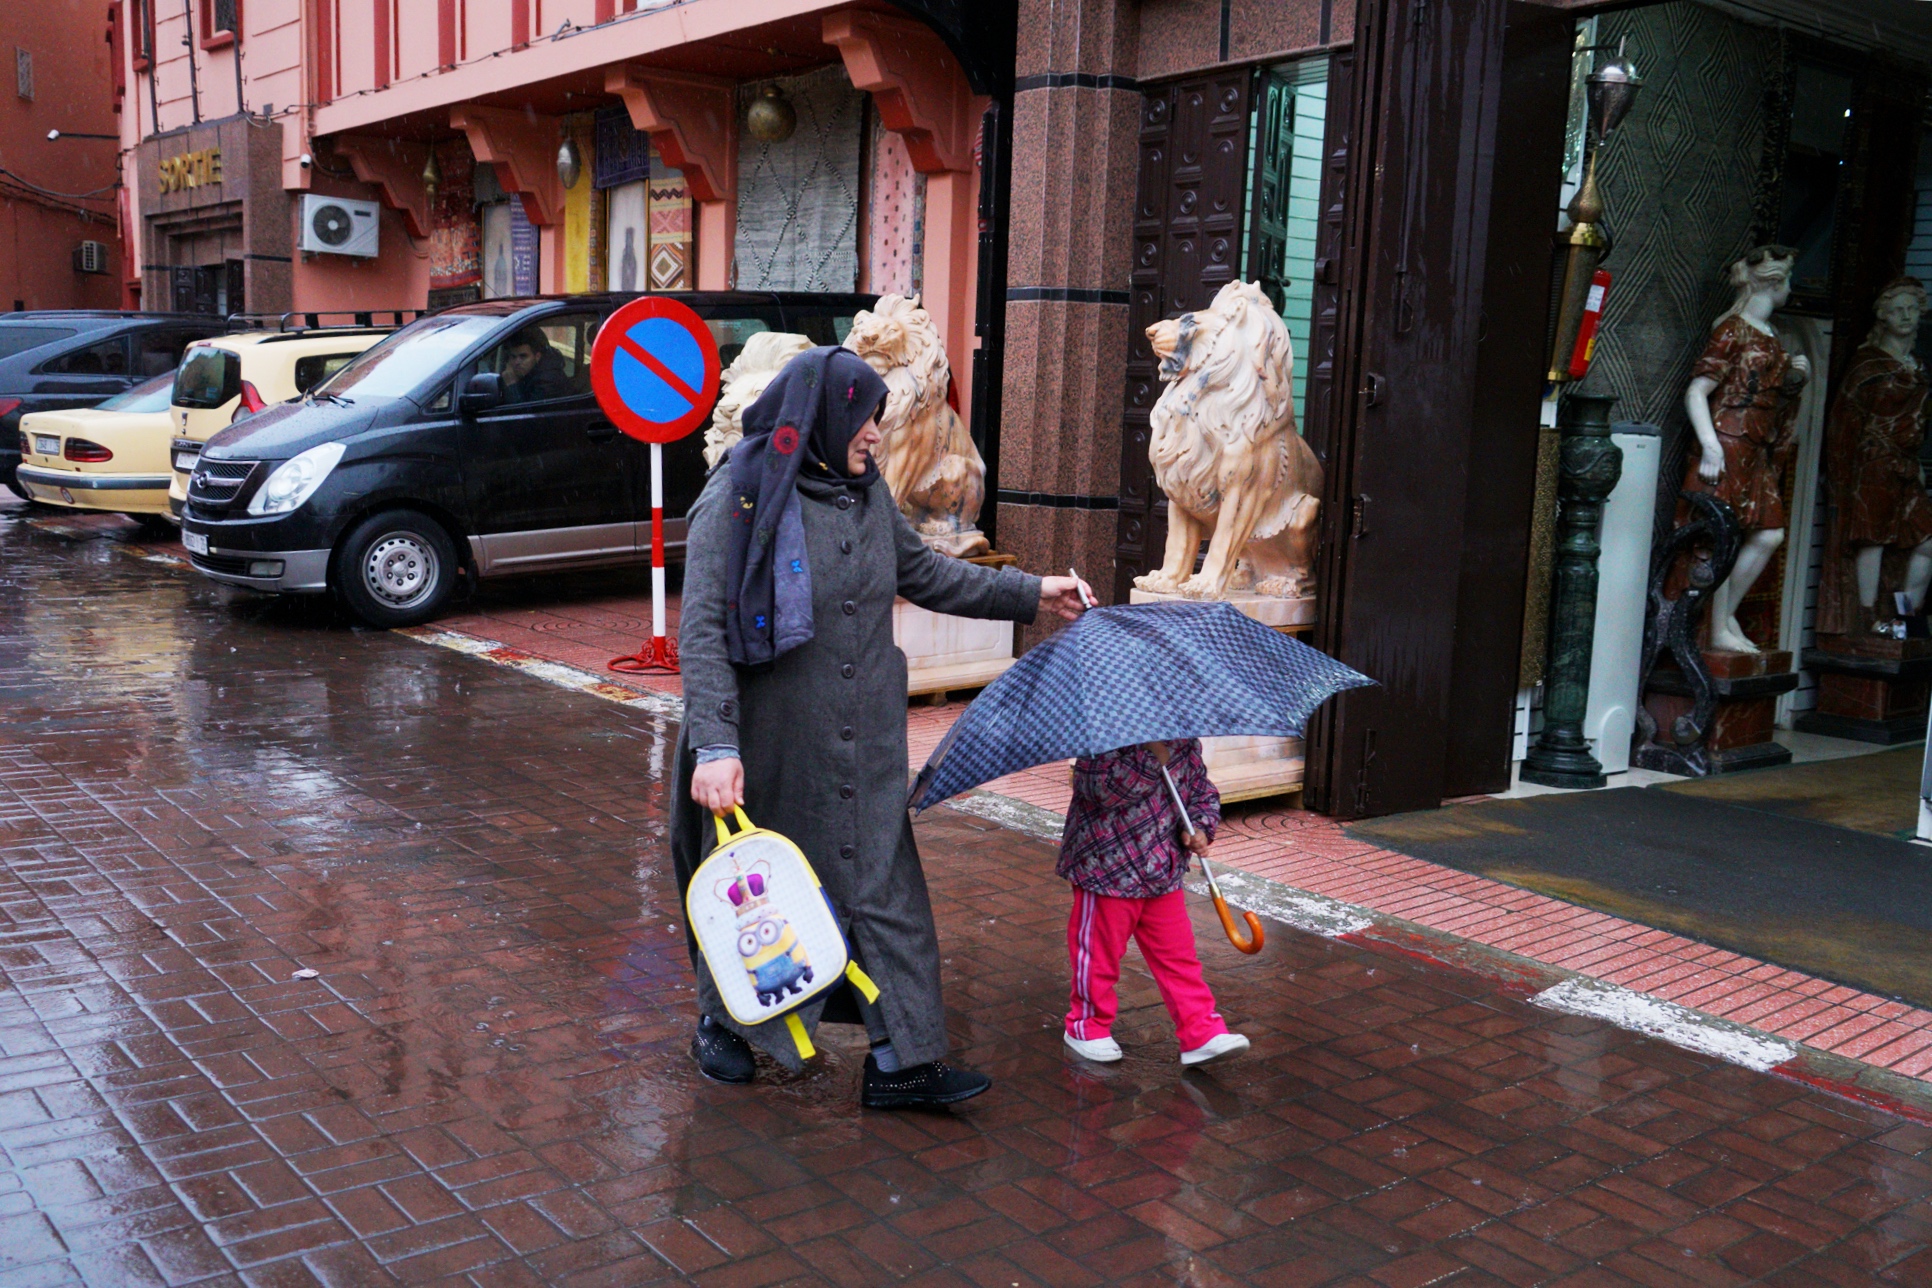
(1217, 1047)
(1098, 1050)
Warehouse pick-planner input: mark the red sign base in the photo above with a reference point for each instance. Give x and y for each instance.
(659, 657)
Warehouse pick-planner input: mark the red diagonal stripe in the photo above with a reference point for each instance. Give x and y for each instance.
(657, 368)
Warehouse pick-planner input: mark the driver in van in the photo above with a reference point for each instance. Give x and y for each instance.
(532, 370)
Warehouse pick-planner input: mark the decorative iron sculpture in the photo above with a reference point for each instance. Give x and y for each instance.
(1712, 536)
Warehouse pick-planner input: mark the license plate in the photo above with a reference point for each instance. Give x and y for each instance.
(186, 461)
(47, 444)
(196, 543)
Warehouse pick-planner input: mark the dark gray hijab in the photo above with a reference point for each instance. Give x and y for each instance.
(803, 423)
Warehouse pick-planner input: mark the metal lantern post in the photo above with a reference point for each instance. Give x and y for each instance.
(1612, 91)
(1590, 465)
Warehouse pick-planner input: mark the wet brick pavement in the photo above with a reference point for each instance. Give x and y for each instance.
(201, 793)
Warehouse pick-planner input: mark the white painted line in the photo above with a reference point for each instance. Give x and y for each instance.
(1036, 821)
(564, 677)
(1303, 909)
(1678, 1025)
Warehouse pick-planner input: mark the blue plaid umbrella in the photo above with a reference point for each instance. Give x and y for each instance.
(1134, 673)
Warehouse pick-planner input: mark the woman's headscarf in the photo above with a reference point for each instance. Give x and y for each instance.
(803, 423)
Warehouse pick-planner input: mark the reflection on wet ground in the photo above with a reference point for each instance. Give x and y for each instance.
(203, 793)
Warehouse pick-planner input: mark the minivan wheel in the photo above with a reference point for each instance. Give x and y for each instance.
(395, 569)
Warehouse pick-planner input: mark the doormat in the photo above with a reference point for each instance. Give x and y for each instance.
(1877, 792)
(1841, 904)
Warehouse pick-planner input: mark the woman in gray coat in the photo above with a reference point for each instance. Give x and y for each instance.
(795, 702)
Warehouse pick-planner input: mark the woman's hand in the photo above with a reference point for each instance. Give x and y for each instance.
(719, 785)
(1066, 596)
(1710, 467)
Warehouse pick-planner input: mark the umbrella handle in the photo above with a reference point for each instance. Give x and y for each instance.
(1253, 943)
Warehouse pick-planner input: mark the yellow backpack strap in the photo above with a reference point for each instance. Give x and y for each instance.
(744, 824)
(861, 981)
(800, 1038)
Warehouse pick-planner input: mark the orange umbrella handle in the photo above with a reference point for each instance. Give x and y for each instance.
(1253, 943)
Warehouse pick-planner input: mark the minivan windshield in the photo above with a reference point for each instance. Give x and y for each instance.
(403, 361)
(149, 395)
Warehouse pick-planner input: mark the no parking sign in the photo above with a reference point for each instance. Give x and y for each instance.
(654, 367)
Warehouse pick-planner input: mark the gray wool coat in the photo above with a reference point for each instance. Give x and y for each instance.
(822, 733)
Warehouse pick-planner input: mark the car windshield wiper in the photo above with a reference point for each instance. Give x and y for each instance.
(334, 398)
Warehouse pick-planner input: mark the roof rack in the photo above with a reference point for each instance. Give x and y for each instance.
(361, 319)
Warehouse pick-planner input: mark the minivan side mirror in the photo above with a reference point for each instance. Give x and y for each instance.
(483, 391)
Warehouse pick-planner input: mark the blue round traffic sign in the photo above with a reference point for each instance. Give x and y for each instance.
(655, 369)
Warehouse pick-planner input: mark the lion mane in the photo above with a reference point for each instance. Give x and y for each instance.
(926, 456)
(761, 359)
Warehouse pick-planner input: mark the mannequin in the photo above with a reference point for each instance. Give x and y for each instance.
(1876, 431)
(1741, 400)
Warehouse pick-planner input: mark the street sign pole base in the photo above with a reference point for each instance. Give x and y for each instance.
(659, 657)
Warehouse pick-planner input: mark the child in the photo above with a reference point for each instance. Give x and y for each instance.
(1125, 852)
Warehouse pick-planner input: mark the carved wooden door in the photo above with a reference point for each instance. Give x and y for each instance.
(1274, 127)
(1187, 228)
(1318, 407)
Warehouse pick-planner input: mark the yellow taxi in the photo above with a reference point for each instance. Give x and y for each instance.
(230, 377)
(110, 457)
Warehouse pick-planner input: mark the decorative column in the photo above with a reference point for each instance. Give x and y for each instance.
(1590, 464)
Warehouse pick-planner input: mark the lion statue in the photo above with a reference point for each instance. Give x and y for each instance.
(926, 455)
(742, 382)
(1225, 450)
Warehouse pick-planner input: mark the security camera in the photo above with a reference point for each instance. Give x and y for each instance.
(52, 135)
(305, 160)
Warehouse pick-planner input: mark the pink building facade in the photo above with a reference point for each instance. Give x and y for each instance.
(317, 155)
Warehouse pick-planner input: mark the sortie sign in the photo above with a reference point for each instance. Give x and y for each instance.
(190, 170)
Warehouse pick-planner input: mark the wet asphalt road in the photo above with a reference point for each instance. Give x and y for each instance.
(203, 792)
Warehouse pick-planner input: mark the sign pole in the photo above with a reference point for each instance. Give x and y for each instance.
(655, 370)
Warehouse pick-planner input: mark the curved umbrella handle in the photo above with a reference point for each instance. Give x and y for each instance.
(1255, 937)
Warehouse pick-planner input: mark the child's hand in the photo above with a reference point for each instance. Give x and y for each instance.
(1196, 841)
(1160, 750)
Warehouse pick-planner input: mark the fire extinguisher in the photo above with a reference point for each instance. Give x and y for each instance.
(1586, 332)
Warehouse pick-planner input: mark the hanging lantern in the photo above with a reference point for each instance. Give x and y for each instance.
(432, 178)
(570, 164)
(770, 118)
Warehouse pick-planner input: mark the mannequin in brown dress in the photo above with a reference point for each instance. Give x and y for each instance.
(1741, 400)
(1877, 427)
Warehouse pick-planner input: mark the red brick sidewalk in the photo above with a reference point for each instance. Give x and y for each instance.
(1308, 852)
(485, 1080)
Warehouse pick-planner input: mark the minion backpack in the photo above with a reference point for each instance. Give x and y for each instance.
(766, 929)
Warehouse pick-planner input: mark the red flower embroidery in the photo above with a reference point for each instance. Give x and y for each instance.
(784, 440)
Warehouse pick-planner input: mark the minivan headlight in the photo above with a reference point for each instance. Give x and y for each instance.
(294, 481)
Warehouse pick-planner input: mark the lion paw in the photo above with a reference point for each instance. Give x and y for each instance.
(1199, 587)
(1157, 582)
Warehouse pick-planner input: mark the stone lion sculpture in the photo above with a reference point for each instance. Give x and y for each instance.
(742, 382)
(927, 457)
(1225, 451)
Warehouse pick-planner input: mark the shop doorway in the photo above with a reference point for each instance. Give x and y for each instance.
(213, 289)
(1240, 177)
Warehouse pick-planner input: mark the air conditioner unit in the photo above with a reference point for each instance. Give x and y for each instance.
(90, 257)
(339, 226)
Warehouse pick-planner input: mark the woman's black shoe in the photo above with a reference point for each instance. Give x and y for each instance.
(722, 1055)
(920, 1087)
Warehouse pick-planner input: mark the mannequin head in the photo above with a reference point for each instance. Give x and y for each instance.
(1897, 310)
(1763, 281)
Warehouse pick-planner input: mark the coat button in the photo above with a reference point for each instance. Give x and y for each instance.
(848, 670)
(845, 547)
(845, 503)
(726, 708)
(846, 851)
(847, 791)
(849, 607)
(846, 733)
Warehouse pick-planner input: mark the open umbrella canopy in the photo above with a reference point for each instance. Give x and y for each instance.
(1134, 673)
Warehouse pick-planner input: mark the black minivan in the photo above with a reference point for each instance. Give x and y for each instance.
(467, 441)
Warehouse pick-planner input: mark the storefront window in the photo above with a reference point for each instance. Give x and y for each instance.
(1821, 104)
(1284, 195)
